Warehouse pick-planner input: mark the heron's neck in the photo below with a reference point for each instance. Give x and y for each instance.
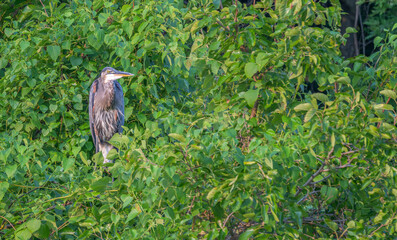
(106, 95)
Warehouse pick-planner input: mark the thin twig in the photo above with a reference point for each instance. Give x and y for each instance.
(381, 226)
(44, 8)
(8, 222)
(325, 178)
(357, 51)
(221, 24)
(362, 32)
(227, 219)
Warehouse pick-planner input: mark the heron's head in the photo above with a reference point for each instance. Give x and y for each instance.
(110, 74)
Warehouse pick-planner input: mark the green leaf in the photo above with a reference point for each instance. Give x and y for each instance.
(251, 96)
(329, 193)
(250, 69)
(246, 235)
(212, 193)
(127, 27)
(310, 114)
(389, 93)
(101, 184)
(53, 107)
(351, 224)
(76, 61)
(383, 107)
(112, 154)
(54, 51)
(67, 163)
(351, 30)
(24, 44)
(217, 3)
(10, 170)
(126, 200)
(133, 213)
(379, 217)
(118, 139)
(24, 234)
(320, 96)
(3, 188)
(96, 39)
(102, 18)
(331, 224)
(344, 80)
(177, 137)
(8, 32)
(303, 107)
(33, 225)
(394, 26)
(377, 40)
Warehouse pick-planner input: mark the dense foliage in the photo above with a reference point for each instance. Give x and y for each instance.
(242, 121)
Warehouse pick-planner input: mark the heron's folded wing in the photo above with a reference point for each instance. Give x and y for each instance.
(91, 109)
(119, 106)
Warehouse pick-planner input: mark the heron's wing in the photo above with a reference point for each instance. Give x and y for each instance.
(91, 107)
(119, 105)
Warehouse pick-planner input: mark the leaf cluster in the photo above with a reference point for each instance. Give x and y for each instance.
(222, 136)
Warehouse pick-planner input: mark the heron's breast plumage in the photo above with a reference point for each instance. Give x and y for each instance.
(106, 124)
(106, 113)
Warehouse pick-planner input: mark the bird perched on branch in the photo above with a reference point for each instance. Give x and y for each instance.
(106, 109)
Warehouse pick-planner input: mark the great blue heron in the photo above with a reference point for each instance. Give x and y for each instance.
(106, 108)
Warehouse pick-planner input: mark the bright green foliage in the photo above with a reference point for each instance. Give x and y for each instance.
(221, 138)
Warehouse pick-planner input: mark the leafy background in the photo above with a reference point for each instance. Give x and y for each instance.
(243, 121)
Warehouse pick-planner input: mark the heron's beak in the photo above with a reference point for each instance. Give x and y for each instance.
(117, 75)
(123, 74)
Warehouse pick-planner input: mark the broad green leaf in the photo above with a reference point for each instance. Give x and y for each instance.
(10, 170)
(217, 3)
(119, 139)
(333, 140)
(112, 154)
(212, 193)
(101, 184)
(33, 225)
(96, 39)
(310, 114)
(76, 61)
(3, 188)
(54, 51)
(67, 163)
(389, 93)
(379, 217)
(351, 224)
(102, 18)
(377, 40)
(127, 27)
(126, 200)
(178, 137)
(251, 96)
(351, 30)
(24, 44)
(246, 235)
(344, 80)
(250, 69)
(331, 224)
(303, 107)
(320, 96)
(329, 193)
(23, 234)
(133, 213)
(383, 106)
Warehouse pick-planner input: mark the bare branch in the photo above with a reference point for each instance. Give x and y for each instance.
(44, 8)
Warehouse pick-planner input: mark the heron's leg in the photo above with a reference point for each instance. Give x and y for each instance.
(105, 149)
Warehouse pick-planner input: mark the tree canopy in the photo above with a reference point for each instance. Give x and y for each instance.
(243, 121)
